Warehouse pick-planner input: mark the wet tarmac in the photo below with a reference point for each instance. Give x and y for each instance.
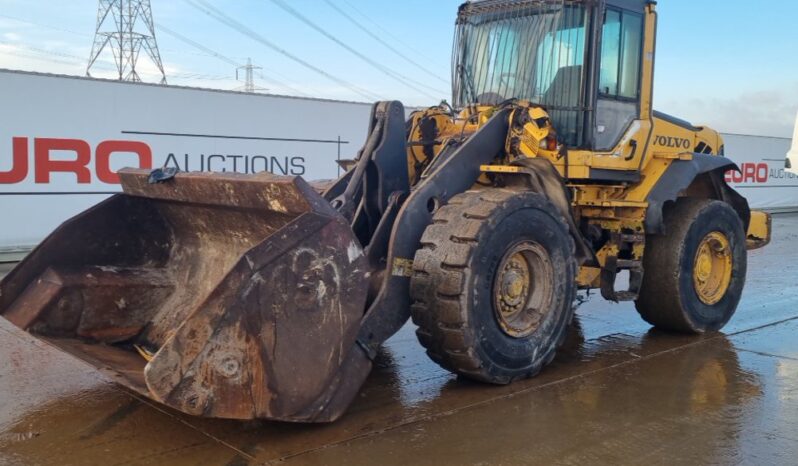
(618, 393)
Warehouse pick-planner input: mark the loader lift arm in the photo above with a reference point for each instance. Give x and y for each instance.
(391, 229)
(391, 307)
(263, 296)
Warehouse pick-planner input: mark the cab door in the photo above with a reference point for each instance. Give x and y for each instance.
(618, 107)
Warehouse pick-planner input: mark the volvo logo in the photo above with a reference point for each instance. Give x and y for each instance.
(675, 143)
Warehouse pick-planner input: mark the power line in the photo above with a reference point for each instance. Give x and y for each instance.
(123, 40)
(73, 60)
(49, 52)
(197, 45)
(388, 33)
(62, 58)
(206, 52)
(223, 18)
(81, 34)
(13, 18)
(224, 58)
(415, 85)
(16, 53)
(379, 39)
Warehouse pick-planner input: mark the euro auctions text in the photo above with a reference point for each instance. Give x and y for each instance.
(38, 159)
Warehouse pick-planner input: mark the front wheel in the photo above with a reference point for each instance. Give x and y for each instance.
(494, 284)
(695, 273)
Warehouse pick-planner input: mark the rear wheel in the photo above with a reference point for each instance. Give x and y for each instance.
(695, 273)
(494, 284)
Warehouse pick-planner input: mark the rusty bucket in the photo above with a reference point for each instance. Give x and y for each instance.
(219, 295)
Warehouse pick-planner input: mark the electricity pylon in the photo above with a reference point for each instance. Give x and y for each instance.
(126, 28)
(249, 78)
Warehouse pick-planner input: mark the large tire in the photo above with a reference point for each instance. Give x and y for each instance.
(475, 237)
(669, 297)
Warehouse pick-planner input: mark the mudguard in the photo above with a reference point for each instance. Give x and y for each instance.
(680, 175)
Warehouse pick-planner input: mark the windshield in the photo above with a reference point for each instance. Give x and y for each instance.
(533, 51)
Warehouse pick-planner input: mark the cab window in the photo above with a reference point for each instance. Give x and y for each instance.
(619, 77)
(620, 55)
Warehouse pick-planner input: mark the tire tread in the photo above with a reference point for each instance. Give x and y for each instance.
(660, 302)
(441, 273)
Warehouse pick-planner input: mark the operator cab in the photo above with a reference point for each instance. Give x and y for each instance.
(582, 61)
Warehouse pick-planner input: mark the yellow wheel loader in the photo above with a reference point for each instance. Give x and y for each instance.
(242, 297)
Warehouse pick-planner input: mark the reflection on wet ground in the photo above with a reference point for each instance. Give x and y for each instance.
(618, 393)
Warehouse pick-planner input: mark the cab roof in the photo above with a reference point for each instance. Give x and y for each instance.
(476, 7)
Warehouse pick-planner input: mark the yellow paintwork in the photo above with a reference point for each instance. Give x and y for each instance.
(759, 231)
(618, 208)
(500, 169)
(531, 139)
(712, 268)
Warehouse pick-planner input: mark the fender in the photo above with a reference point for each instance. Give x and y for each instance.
(680, 175)
(539, 175)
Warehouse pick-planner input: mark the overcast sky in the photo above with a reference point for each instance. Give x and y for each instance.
(731, 64)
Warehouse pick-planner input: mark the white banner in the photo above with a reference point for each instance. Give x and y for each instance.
(62, 139)
(763, 179)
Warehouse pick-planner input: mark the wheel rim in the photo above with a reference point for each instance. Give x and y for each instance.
(712, 270)
(523, 289)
